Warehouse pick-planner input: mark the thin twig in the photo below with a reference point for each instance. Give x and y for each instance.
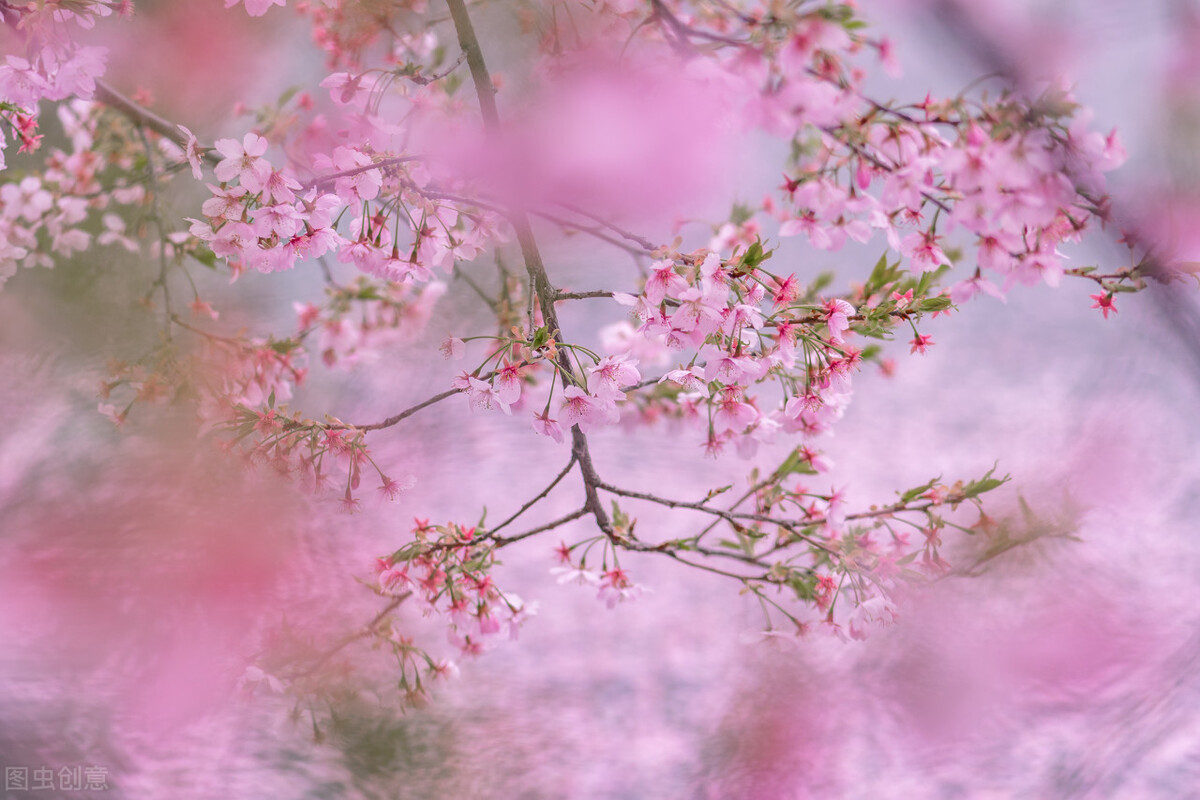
(347, 173)
(405, 414)
(541, 495)
(540, 283)
(501, 541)
(349, 639)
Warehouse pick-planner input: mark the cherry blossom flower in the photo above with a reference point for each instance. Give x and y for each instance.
(202, 309)
(28, 200)
(878, 611)
(663, 282)
(921, 343)
(611, 373)
(732, 414)
(1104, 302)
(837, 313)
(20, 83)
(690, 378)
(963, 291)
(279, 220)
(579, 575)
(280, 188)
(256, 8)
(191, 150)
(924, 251)
(233, 240)
(78, 73)
(352, 189)
(548, 427)
(390, 489)
(114, 233)
(243, 160)
(481, 394)
(616, 587)
(583, 409)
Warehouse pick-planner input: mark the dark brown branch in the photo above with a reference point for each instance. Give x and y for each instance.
(534, 266)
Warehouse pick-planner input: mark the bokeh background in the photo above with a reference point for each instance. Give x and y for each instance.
(142, 569)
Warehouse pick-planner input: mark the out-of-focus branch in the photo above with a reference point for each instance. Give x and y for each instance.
(368, 630)
(145, 117)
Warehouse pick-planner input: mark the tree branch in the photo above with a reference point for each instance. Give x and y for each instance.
(408, 412)
(349, 639)
(534, 266)
(501, 541)
(540, 496)
(145, 117)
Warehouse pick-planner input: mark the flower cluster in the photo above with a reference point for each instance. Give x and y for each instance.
(54, 66)
(613, 585)
(739, 326)
(590, 394)
(365, 316)
(447, 567)
(80, 198)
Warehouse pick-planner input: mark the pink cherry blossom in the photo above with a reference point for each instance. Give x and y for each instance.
(610, 374)
(256, 8)
(191, 150)
(243, 160)
(545, 426)
(582, 409)
(1104, 302)
(837, 313)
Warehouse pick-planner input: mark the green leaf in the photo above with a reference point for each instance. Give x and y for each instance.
(795, 463)
(881, 275)
(985, 484)
(720, 490)
(917, 491)
(804, 586)
(740, 213)
(205, 257)
(820, 282)
(619, 518)
(939, 303)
